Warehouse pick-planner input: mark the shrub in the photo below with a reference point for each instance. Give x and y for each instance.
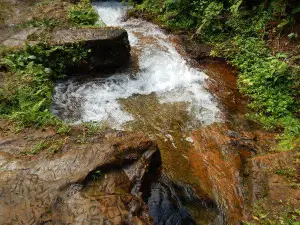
(83, 14)
(266, 79)
(43, 23)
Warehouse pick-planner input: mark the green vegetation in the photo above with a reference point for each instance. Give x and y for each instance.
(56, 146)
(97, 174)
(288, 216)
(38, 147)
(267, 80)
(26, 97)
(83, 14)
(52, 147)
(47, 23)
(290, 175)
(289, 172)
(240, 30)
(50, 15)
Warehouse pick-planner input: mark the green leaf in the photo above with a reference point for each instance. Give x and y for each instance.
(234, 8)
(296, 10)
(283, 23)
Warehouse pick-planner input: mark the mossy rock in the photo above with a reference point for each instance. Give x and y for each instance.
(108, 47)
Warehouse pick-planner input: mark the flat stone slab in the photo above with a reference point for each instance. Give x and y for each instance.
(19, 39)
(61, 189)
(109, 46)
(87, 34)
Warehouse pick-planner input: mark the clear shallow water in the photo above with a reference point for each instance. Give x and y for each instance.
(162, 71)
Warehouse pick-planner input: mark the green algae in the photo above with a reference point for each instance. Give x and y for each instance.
(168, 124)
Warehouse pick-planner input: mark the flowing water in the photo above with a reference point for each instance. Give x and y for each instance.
(161, 71)
(164, 97)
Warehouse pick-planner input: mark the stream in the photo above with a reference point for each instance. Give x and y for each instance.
(162, 71)
(161, 95)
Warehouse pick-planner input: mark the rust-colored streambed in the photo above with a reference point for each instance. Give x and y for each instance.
(199, 179)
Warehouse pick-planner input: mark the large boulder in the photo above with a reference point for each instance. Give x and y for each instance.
(108, 47)
(95, 182)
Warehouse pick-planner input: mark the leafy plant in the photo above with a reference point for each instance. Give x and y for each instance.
(210, 18)
(27, 97)
(266, 79)
(43, 23)
(83, 14)
(38, 147)
(63, 129)
(97, 174)
(91, 128)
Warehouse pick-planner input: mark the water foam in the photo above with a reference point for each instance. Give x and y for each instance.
(162, 71)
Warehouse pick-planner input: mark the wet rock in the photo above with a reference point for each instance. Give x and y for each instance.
(194, 49)
(62, 189)
(165, 206)
(135, 221)
(234, 134)
(136, 171)
(111, 197)
(218, 158)
(217, 164)
(173, 203)
(223, 84)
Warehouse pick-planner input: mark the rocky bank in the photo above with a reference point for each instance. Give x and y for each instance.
(84, 177)
(93, 182)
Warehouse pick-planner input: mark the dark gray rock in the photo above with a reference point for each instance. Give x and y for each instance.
(109, 47)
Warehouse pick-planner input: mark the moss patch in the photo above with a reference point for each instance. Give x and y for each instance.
(168, 123)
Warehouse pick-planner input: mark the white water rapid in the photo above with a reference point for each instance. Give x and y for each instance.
(162, 70)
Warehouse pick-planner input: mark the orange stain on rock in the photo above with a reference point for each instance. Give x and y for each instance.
(217, 164)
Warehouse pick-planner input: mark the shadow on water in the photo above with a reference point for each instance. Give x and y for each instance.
(172, 203)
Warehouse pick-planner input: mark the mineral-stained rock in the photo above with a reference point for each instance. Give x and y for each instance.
(217, 159)
(217, 163)
(66, 187)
